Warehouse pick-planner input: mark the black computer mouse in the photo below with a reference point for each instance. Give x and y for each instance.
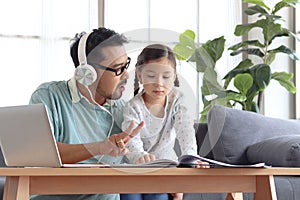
(188, 161)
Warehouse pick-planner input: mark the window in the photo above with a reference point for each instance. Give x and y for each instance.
(35, 43)
(35, 35)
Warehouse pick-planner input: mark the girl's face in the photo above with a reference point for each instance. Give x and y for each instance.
(157, 77)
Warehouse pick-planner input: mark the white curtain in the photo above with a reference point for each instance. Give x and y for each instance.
(34, 40)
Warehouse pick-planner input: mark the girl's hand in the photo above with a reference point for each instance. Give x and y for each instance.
(145, 158)
(201, 164)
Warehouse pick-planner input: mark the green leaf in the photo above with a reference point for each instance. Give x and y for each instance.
(294, 2)
(245, 64)
(252, 93)
(189, 33)
(204, 89)
(272, 17)
(291, 34)
(217, 101)
(182, 52)
(206, 109)
(203, 60)
(250, 51)
(284, 80)
(187, 38)
(255, 10)
(192, 58)
(247, 43)
(261, 75)
(253, 107)
(257, 2)
(284, 49)
(215, 47)
(243, 29)
(186, 46)
(282, 33)
(270, 57)
(243, 82)
(234, 96)
(223, 100)
(203, 118)
(279, 6)
(210, 82)
(270, 29)
(242, 67)
(283, 4)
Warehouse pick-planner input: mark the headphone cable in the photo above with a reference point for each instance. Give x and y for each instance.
(103, 108)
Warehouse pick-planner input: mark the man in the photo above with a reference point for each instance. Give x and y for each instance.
(85, 111)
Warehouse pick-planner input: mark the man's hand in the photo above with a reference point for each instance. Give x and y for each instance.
(120, 140)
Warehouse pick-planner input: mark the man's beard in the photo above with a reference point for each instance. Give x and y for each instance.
(116, 93)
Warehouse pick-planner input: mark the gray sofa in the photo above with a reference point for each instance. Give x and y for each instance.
(242, 137)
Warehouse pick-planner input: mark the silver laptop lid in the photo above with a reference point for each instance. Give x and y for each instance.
(26, 137)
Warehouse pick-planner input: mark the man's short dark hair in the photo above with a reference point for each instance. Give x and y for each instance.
(99, 38)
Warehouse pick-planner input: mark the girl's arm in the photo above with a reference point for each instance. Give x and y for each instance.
(184, 126)
(135, 146)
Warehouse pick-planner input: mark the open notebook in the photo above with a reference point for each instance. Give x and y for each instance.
(189, 161)
(27, 139)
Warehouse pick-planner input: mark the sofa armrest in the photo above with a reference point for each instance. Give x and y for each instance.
(282, 151)
(232, 131)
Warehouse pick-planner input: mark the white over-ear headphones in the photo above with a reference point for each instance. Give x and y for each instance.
(84, 73)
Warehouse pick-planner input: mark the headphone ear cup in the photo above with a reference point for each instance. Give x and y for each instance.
(85, 74)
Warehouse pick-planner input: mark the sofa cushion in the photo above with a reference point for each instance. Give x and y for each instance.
(232, 131)
(282, 151)
(2, 161)
(203, 145)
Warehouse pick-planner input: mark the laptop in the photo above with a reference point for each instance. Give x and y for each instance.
(27, 140)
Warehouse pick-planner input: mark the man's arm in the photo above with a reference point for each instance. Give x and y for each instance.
(73, 153)
(115, 145)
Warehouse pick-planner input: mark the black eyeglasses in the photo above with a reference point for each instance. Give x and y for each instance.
(117, 71)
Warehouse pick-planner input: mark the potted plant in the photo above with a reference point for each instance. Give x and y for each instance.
(250, 77)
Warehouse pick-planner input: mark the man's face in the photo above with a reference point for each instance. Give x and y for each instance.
(108, 84)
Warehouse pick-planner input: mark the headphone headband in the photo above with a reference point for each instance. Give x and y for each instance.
(84, 73)
(81, 49)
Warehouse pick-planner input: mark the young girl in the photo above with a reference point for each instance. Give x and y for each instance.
(161, 107)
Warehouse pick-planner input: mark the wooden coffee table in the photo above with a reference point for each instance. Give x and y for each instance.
(22, 182)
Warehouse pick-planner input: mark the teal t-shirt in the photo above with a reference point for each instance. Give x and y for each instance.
(75, 121)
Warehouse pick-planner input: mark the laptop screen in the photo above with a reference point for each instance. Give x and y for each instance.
(26, 137)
